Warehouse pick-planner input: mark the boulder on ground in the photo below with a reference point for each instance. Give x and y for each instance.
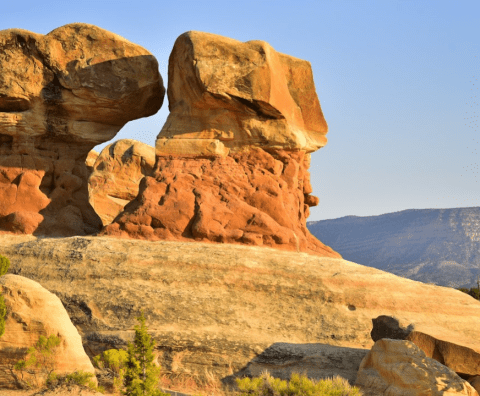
(32, 311)
(232, 158)
(461, 359)
(61, 94)
(399, 368)
(116, 176)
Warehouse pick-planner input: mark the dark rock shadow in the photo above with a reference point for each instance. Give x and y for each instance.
(317, 361)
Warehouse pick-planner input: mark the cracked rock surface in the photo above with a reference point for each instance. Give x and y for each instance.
(61, 94)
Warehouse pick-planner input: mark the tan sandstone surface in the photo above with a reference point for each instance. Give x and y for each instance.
(33, 311)
(116, 175)
(219, 307)
(233, 156)
(400, 368)
(61, 94)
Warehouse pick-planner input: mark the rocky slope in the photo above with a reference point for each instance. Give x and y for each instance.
(215, 308)
(428, 245)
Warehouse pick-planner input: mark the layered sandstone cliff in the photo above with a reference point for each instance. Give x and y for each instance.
(61, 94)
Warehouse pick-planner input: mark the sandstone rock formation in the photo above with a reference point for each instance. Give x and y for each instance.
(461, 359)
(475, 382)
(399, 367)
(61, 94)
(116, 176)
(233, 156)
(238, 94)
(33, 311)
(217, 307)
(90, 161)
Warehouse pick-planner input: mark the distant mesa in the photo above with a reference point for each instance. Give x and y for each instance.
(232, 158)
(61, 94)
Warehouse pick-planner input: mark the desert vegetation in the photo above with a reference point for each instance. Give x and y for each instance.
(298, 385)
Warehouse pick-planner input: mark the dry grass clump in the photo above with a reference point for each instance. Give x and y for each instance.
(266, 385)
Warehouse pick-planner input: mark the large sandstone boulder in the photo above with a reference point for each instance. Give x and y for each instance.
(116, 175)
(61, 94)
(461, 359)
(233, 156)
(219, 307)
(33, 311)
(400, 368)
(236, 94)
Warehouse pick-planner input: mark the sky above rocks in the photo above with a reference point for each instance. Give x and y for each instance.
(397, 81)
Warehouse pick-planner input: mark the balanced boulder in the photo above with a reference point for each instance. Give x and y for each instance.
(61, 94)
(232, 158)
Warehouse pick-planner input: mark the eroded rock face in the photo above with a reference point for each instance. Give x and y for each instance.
(241, 94)
(220, 306)
(61, 94)
(233, 156)
(461, 359)
(33, 311)
(253, 198)
(116, 176)
(399, 367)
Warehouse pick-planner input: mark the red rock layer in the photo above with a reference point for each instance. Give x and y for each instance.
(250, 197)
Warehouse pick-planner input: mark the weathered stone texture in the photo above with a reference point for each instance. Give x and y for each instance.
(241, 94)
(61, 94)
(220, 305)
(116, 176)
(233, 156)
(32, 311)
(400, 368)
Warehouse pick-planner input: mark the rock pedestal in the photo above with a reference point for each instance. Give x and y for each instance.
(61, 94)
(232, 158)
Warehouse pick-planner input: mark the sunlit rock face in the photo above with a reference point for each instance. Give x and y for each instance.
(61, 94)
(240, 94)
(116, 175)
(232, 158)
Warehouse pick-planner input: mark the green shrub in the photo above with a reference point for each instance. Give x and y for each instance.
(4, 265)
(79, 377)
(114, 360)
(266, 385)
(39, 359)
(471, 292)
(142, 375)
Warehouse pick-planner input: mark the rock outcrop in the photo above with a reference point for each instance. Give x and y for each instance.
(116, 175)
(233, 156)
(461, 359)
(33, 311)
(61, 94)
(217, 307)
(90, 161)
(399, 367)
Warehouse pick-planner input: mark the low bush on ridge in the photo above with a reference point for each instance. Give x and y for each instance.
(299, 385)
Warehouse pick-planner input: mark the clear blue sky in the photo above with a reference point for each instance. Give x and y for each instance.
(397, 81)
